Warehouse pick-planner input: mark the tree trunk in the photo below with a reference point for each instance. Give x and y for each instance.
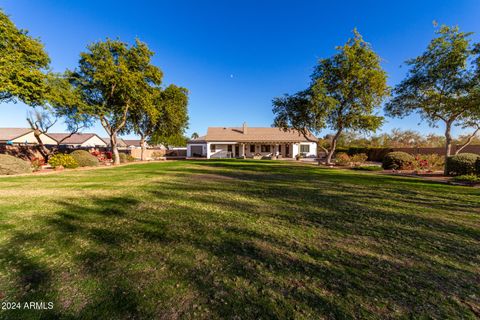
(333, 147)
(469, 140)
(41, 147)
(448, 143)
(144, 148)
(113, 146)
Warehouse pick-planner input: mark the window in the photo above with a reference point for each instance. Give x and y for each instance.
(212, 148)
(304, 148)
(280, 148)
(265, 148)
(252, 148)
(229, 148)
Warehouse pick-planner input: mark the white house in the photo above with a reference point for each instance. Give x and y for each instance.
(245, 142)
(85, 140)
(23, 136)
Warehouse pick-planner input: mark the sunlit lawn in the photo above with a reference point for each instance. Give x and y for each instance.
(238, 239)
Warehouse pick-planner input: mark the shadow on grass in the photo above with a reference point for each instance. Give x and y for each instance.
(275, 241)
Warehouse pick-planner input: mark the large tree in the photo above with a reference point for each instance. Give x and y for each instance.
(113, 78)
(22, 65)
(346, 90)
(163, 116)
(441, 84)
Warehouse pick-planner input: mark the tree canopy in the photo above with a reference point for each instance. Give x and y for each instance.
(345, 91)
(23, 62)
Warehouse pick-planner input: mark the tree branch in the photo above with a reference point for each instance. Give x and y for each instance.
(469, 140)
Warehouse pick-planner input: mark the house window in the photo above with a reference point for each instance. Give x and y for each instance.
(304, 148)
(252, 148)
(229, 148)
(265, 148)
(280, 148)
(212, 148)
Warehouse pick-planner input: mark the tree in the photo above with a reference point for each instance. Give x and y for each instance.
(194, 136)
(113, 78)
(22, 65)
(345, 91)
(164, 115)
(61, 102)
(440, 84)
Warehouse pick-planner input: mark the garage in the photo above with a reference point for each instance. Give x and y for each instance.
(196, 151)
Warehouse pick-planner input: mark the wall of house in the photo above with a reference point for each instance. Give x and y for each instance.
(30, 139)
(189, 148)
(93, 142)
(312, 152)
(220, 149)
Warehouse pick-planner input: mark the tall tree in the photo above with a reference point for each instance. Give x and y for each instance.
(194, 135)
(113, 78)
(346, 90)
(440, 84)
(22, 65)
(164, 114)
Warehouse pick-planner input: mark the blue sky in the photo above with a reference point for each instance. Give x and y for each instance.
(235, 56)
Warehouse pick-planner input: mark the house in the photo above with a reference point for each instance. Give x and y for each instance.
(82, 140)
(120, 143)
(135, 144)
(245, 142)
(24, 136)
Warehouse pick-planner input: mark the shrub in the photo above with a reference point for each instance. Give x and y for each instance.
(64, 160)
(471, 178)
(12, 165)
(461, 164)
(398, 160)
(359, 158)
(130, 158)
(158, 155)
(84, 158)
(37, 163)
(342, 159)
(429, 162)
(477, 166)
(123, 157)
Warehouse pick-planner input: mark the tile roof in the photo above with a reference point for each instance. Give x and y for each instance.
(77, 138)
(254, 135)
(7, 134)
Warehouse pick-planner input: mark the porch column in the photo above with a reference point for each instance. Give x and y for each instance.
(241, 149)
(292, 155)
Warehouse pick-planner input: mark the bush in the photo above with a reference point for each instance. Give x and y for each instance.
(64, 160)
(342, 159)
(12, 165)
(398, 160)
(84, 158)
(429, 162)
(123, 157)
(130, 158)
(359, 158)
(477, 166)
(461, 164)
(471, 178)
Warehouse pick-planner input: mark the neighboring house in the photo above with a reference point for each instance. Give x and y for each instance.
(120, 143)
(248, 142)
(79, 140)
(25, 136)
(135, 144)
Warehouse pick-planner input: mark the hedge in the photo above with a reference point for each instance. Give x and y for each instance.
(84, 158)
(64, 160)
(398, 160)
(461, 164)
(12, 165)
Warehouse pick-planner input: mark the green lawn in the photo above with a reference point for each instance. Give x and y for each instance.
(238, 240)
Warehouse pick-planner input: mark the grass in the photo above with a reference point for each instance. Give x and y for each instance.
(367, 168)
(238, 240)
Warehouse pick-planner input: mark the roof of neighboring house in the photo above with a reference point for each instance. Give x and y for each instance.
(77, 138)
(200, 139)
(253, 135)
(120, 142)
(7, 134)
(132, 142)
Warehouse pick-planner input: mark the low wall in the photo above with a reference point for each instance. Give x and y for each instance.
(440, 150)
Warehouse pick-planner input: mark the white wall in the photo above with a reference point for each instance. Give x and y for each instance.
(30, 138)
(93, 142)
(311, 153)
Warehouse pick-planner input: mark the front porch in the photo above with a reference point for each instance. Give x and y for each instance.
(253, 150)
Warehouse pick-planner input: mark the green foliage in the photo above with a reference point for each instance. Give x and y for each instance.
(84, 158)
(130, 158)
(477, 166)
(64, 160)
(429, 162)
(123, 157)
(342, 159)
(359, 158)
(22, 65)
(442, 83)
(471, 178)
(461, 164)
(11, 165)
(398, 160)
(374, 154)
(345, 92)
